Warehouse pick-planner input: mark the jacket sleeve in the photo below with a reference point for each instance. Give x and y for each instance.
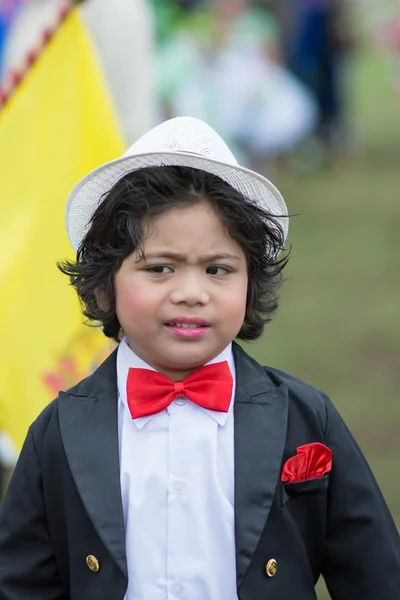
(27, 564)
(362, 555)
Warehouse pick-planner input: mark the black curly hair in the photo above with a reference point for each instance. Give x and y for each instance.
(116, 231)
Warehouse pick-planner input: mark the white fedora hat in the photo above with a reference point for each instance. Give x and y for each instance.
(181, 142)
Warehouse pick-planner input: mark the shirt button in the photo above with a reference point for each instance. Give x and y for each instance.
(180, 401)
(178, 486)
(177, 589)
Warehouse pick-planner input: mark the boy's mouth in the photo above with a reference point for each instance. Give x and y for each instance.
(187, 328)
(188, 323)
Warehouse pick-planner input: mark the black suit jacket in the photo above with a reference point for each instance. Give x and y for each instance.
(64, 501)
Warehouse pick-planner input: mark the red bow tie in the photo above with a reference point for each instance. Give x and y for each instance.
(149, 392)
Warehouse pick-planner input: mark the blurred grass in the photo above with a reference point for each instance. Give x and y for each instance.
(338, 327)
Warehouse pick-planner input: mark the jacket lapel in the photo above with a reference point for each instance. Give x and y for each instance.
(89, 430)
(260, 418)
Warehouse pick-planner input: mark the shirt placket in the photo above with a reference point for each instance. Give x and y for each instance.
(176, 490)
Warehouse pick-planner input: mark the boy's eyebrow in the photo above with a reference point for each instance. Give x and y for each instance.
(182, 257)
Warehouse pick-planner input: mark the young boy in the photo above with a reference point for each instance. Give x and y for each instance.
(182, 468)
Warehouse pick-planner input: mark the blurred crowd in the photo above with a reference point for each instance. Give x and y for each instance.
(267, 74)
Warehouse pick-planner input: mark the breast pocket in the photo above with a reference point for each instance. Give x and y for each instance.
(301, 488)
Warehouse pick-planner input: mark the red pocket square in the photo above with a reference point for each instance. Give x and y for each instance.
(311, 461)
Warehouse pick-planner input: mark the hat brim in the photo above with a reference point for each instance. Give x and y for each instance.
(90, 190)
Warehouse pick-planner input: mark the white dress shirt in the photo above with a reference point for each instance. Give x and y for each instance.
(177, 484)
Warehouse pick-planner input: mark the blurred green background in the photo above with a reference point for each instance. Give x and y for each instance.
(338, 326)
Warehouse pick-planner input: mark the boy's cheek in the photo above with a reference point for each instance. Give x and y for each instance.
(234, 308)
(137, 302)
(133, 301)
(240, 295)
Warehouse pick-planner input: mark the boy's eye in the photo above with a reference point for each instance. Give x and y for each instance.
(215, 270)
(159, 269)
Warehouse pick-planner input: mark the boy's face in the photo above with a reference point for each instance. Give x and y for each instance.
(192, 273)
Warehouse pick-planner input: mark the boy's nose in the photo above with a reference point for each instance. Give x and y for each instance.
(191, 292)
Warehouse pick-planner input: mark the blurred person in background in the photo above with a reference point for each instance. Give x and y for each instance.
(317, 39)
(228, 51)
(388, 37)
(169, 14)
(122, 33)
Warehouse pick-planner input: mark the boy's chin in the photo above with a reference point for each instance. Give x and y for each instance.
(188, 361)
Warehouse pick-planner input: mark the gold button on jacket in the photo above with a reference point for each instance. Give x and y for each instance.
(271, 567)
(93, 563)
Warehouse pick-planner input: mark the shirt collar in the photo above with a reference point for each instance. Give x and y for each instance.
(127, 358)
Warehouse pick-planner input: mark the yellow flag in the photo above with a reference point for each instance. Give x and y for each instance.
(58, 125)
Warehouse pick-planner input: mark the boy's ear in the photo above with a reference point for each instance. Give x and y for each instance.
(101, 300)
